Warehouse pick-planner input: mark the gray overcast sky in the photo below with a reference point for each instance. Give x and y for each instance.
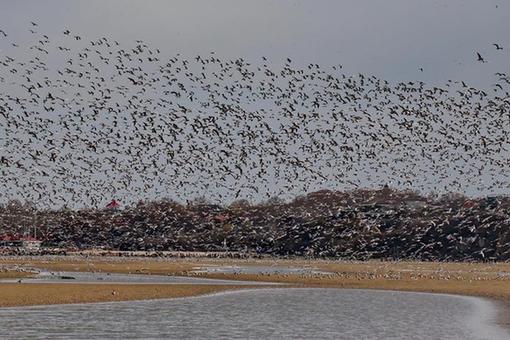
(391, 39)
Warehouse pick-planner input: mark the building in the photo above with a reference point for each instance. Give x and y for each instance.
(20, 242)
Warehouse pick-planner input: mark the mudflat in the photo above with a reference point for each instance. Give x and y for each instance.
(491, 280)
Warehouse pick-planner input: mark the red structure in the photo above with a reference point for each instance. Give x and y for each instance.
(113, 205)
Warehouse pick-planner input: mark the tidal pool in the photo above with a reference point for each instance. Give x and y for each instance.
(101, 277)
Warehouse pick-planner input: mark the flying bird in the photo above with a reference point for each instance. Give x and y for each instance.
(480, 58)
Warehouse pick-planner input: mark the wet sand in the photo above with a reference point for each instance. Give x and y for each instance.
(28, 294)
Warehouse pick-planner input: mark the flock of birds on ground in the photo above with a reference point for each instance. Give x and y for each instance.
(84, 121)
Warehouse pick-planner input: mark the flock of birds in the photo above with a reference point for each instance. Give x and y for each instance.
(84, 121)
(323, 224)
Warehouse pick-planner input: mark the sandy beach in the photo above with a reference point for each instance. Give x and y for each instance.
(27, 294)
(475, 279)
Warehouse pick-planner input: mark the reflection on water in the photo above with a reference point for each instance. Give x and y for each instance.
(264, 313)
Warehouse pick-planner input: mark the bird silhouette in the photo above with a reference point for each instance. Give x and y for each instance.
(125, 120)
(498, 47)
(480, 58)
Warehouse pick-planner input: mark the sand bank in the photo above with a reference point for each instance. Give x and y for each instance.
(25, 294)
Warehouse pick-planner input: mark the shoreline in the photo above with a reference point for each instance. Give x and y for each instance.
(490, 281)
(491, 315)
